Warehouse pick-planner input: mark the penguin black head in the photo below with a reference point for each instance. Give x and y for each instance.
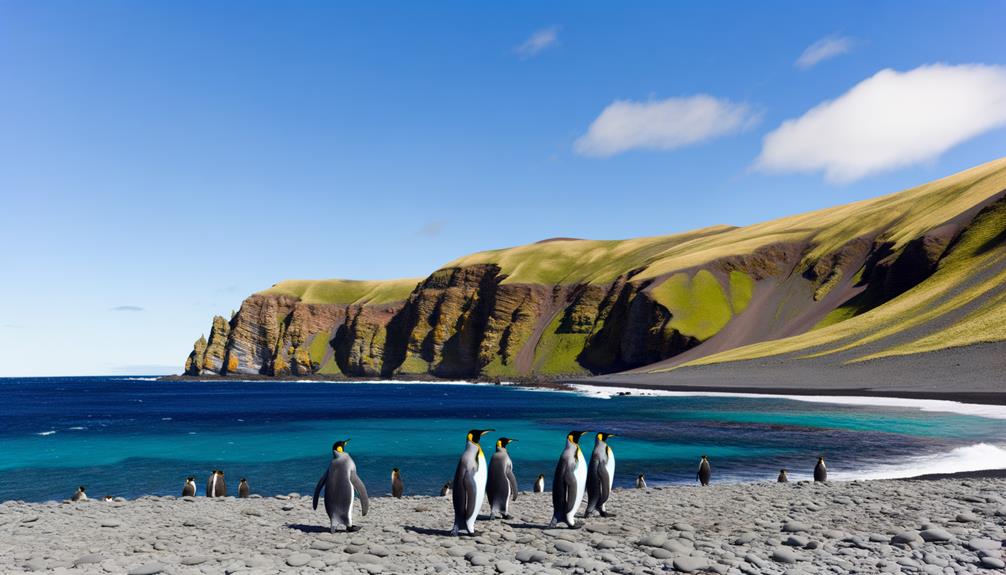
(574, 436)
(640, 476)
(394, 470)
(190, 478)
(504, 441)
(339, 446)
(820, 458)
(476, 434)
(541, 476)
(602, 436)
(82, 488)
(704, 458)
(243, 480)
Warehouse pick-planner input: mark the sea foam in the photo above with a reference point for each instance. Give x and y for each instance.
(935, 405)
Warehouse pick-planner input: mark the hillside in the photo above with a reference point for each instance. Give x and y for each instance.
(913, 272)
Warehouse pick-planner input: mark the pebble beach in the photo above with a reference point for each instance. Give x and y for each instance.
(935, 527)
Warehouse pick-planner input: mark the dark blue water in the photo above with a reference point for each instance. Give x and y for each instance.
(129, 437)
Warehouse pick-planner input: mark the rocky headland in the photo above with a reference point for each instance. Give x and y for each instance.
(879, 282)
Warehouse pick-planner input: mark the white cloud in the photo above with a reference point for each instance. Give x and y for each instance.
(891, 120)
(538, 41)
(663, 124)
(824, 49)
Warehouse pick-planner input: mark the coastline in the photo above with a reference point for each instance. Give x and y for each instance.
(857, 526)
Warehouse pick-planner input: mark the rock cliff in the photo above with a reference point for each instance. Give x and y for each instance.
(567, 306)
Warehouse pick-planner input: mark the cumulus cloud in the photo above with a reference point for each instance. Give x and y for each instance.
(824, 49)
(126, 308)
(537, 42)
(890, 120)
(663, 124)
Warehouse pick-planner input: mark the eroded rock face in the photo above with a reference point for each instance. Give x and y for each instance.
(468, 321)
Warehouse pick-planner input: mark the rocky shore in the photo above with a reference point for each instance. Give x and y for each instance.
(943, 526)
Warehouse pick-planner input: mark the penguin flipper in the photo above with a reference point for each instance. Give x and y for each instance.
(571, 501)
(605, 486)
(471, 492)
(512, 479)
(317, 490)
(361, 491)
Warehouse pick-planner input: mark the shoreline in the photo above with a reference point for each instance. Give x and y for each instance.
(767, 527)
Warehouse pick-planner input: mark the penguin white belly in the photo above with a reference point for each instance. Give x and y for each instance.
(349, 514)
(481, 475)
(580, 473)
(610, 466)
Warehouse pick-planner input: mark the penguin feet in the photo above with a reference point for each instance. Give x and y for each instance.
(454, 531)
(607, 514)
(552, 524)
(353, 529)
(507, 516)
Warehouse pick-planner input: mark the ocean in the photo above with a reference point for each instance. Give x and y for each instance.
(134, 436)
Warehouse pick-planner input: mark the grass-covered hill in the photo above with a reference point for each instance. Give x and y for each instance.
(915, 271)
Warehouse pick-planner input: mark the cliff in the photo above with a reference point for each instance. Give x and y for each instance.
(906, 263)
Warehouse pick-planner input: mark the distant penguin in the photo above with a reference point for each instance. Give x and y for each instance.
(189, 490)
(641, 481)
(341, 483)
(704, 473)
(569, 482)
(501, 486)
(445, 490)
(469, 486)
(215, 485)
(539, 484)
(820, 470)
(783, 478)
(79, 495)
(600, 475)
(108, 499)
(397, 486)
(243, 490)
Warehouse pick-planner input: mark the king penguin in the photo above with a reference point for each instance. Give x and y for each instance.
(216, 486)
(502, 483)
(341, 483)
(189, 490)
(569, 482)
(600, 475)
(641, 481)
(539, 484)
(704, 473)
(243, 490)
(397, 485)
(79, 495)
(469, 486)
(783, 478)
(820, 470)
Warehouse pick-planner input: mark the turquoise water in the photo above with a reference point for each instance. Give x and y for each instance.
(130, 437)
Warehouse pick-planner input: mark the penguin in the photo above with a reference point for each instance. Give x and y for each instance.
(108, 499)
(189, 490)
(397, 486)
(79, 495)
(446, 489)
(641, 481)
(569, 482)
(341, 483)
(820, 470)
(704, 473)
(600, 475)
(539, 484)
(243, 490)
(469, 486)
(783, 478)
(502, 483)
(215, 485)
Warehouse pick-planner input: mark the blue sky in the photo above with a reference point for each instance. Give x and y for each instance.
(162, 160)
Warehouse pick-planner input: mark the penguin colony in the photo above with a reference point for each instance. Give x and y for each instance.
(474, 480)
